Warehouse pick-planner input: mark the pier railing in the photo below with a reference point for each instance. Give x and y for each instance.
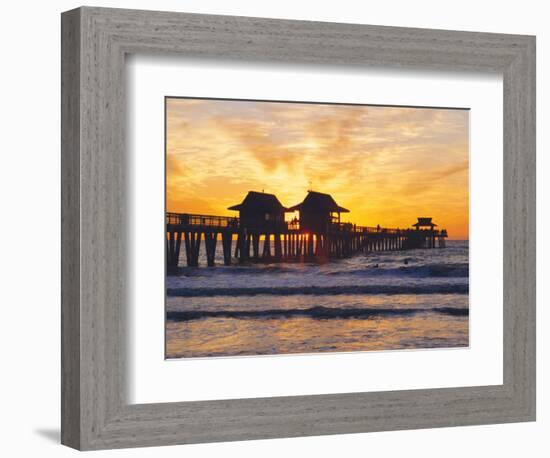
(189, 219)
(350, 227)
(212, 221)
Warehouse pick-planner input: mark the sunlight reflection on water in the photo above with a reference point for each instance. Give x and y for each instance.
(217, 319)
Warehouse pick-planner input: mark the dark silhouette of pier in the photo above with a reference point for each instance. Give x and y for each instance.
(261, 234)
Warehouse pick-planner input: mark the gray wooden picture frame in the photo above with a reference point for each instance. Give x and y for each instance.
(95, 412)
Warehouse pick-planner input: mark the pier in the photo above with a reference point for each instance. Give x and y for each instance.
(261, 234)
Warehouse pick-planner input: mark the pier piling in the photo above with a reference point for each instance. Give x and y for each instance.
(283, 242)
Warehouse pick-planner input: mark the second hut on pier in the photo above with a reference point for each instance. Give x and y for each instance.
(260, 210)
(318, 211)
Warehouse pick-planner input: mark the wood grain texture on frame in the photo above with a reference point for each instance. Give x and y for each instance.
(95, 412)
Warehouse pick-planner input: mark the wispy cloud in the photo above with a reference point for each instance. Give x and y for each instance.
(387, 164)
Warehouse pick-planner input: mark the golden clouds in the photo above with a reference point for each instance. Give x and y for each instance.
(388, 165)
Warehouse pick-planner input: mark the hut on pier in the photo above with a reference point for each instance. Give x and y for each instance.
(424, 223)
(318, 211)
(260, 211)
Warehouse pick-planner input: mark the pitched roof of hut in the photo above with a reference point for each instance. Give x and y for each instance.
(424, 222)
(259, 202)
(319, 201)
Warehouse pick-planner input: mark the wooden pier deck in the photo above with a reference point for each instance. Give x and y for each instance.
(283, 241)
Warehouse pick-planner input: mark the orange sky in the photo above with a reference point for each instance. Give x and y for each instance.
(388, 165)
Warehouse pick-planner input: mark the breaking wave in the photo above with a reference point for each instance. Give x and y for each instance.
(459, 270)
(321, 290)
(313, 312)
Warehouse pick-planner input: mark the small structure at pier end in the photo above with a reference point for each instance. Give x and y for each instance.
(260, 210)
(424, 222)
(425, 235)
(318, 212)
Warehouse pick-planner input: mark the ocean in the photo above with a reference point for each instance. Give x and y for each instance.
(412, 299)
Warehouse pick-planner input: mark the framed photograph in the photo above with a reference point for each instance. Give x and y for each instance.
(277, 228)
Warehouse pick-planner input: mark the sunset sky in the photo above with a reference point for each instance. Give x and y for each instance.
(387, 165)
